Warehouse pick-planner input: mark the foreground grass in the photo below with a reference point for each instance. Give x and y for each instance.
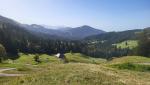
(67, 74)
(81, 70)
(80, 74)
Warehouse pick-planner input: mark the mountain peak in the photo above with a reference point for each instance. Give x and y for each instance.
(36, 26)
(86, 26)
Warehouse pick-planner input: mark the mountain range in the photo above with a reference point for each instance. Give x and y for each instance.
(84, 32)
(65, 32)
(76, 33)
(34, 38)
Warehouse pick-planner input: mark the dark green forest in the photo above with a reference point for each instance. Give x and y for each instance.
(15, 39)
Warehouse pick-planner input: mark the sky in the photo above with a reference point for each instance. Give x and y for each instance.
(108, 15)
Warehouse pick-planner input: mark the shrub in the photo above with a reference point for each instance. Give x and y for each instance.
(37, 58)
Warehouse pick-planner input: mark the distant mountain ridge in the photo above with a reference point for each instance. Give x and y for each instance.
(66, 32)
(76, 33)
(84, 31)
(34, 38)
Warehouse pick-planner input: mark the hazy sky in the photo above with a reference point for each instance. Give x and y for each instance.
(109, 15)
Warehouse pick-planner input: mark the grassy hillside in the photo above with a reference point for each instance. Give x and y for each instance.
(28, 59)
(80, 58)
(134, 63)
(127, 44)
(130, 59)
(81, 70)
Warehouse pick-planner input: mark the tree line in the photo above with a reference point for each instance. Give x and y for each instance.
(143, 48)
(14, 39)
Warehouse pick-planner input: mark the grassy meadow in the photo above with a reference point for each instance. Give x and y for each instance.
(127, 44)
(80, 70)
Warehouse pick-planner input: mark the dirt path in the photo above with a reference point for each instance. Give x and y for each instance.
(5, 74)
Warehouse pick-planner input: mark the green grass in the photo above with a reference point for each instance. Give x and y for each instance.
(131, 59)
(80, 58)
(127, 44)
(6, 65)
(132, 66)
(25, 63)
(24, 68)
(80, 70)
(29, 59)
(135, 63)
(67, 74)
(44, 58)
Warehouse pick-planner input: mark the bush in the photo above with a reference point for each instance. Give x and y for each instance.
(23, 69)
(37, 58)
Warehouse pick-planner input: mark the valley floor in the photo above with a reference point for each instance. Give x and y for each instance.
(81, 70)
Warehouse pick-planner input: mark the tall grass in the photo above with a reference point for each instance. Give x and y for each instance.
(66, 74)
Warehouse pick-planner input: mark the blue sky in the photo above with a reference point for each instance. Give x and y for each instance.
(108, 15)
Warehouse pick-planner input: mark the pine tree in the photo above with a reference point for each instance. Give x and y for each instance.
(2, 53)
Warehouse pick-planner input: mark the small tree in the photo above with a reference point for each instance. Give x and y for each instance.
(37, 58)
(2, 53)
(126, 43)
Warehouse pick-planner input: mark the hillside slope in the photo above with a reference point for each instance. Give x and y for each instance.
(54, 72)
